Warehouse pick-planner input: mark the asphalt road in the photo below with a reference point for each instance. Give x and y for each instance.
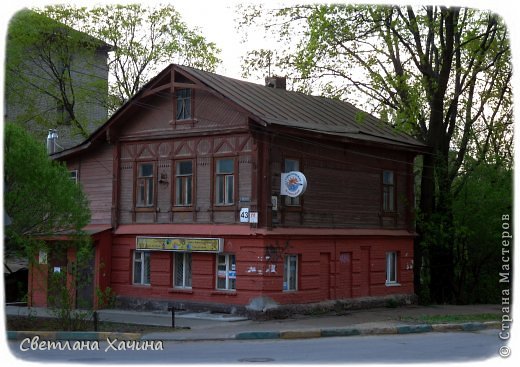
(428, 347)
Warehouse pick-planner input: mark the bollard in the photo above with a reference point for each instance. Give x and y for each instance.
(95, 315)
(172, 309)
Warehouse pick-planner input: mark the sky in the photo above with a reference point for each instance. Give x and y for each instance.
(216, 20)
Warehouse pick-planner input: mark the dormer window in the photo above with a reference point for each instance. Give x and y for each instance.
(183, 104)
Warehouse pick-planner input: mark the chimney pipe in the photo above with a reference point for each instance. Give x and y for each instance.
(52, 137)
(276, 82)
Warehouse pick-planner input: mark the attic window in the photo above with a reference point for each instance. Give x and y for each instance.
(183, 104)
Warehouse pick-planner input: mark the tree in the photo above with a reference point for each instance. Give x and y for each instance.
(441, 74)
(484, 197)
(43, 202)
(54, 76)
(39, 197)
(144, 39)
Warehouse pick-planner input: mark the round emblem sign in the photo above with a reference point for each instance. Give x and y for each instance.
(294, 184)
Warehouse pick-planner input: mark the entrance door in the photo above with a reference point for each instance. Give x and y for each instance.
(325, 275)
(57, 291)
(364, 286)
(344, 289)
(85, 284)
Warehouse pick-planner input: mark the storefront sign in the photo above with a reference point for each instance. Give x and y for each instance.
(180, 244)
(293, 184)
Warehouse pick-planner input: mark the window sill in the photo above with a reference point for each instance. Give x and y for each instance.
(189, 121)
(293, 208)
(148, 209)
(137, 285)
(389, 214)
(181, 290)
(224, 292)
(181, 208)
(290, 291)
(224, 207)
(393, 284)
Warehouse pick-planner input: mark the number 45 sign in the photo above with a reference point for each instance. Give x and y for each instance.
(248, 217)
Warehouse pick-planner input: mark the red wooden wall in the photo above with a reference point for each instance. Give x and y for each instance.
(328, 269)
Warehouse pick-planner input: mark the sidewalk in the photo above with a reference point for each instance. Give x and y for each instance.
(207, 326)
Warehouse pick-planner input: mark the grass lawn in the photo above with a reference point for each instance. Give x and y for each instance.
(22, 323)
(446, 319)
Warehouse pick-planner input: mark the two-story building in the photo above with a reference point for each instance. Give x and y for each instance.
(184, 183)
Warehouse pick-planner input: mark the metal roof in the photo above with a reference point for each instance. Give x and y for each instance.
(278, 107)
(303, 111)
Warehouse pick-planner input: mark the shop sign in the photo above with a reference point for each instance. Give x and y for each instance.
(293, 184)
(180, 244)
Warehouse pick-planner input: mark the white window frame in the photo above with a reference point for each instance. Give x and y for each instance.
(143, 257)
(185, 256)
(74, 175)
(392, 279)
(229, 267)
(287, 273)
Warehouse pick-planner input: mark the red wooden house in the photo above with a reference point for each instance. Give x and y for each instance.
(184, 183)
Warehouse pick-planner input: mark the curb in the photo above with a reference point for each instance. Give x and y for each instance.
(390, 330)
(413, 329)
(72, 335)
(251, 335)
(263, 335)
(300, 334)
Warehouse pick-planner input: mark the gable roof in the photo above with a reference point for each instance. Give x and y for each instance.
(303, 111)
(277, 107)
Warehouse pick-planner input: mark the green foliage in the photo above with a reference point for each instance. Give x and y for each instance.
(61, 303)
(40, 198)
(52, 76)
(106, 298)
(440, 74)
(144, 39)
(483, 197)
(56, 75)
